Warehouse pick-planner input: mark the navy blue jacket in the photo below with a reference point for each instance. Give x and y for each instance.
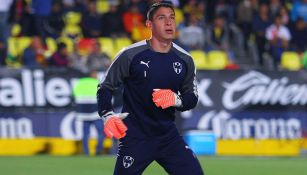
(140, 69)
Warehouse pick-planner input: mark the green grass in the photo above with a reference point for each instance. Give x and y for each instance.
(82, 165)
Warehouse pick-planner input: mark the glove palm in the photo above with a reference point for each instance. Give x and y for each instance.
(165, 98)
(114, 126)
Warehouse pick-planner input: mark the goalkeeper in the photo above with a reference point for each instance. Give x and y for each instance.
(158, 78)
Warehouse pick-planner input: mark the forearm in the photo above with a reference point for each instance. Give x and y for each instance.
(113, 124)
(189, 101)
(104, 100)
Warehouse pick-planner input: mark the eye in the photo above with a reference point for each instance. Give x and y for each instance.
(160, 17)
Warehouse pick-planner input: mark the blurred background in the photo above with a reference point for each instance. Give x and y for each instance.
(250, 56)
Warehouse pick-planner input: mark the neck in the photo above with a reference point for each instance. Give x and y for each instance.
(160, 45)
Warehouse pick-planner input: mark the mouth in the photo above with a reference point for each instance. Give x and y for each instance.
(169, 31)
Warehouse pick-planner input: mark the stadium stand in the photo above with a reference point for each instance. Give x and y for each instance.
(245, 49)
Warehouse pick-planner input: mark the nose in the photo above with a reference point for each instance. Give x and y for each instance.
(168, 21)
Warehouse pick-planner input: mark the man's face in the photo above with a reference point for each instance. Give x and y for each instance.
(278, 21)
(163, 25)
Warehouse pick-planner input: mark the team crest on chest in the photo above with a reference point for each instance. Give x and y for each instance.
(177, 67)
(127, 161)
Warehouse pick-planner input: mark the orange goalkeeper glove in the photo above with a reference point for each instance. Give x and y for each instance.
(114, 126)
(165, 98)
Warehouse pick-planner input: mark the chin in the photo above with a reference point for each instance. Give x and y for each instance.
(169, 37)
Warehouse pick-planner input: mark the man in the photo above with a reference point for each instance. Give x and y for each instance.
(98, 59)
(278, 36)
(86, 108)
(158, 78)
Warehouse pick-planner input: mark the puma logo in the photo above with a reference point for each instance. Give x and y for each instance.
(145, 63)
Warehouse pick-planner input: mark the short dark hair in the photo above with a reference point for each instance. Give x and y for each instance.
(61, 45)
(154, 7)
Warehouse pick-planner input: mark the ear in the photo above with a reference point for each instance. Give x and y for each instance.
(148, 24)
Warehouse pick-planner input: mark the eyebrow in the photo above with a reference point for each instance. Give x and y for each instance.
(173, 14)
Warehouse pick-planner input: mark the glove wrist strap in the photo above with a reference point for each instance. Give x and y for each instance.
(107, 115)
(178, 101)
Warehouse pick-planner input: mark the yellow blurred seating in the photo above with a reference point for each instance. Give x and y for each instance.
(140, 32)
(51, 45)
(217, 60)
(290, 61)
(72, 18)
(15, 30)
(24, 42)
(200, 59)
(102, 6)
(107, 46)
(179, 16)
(121, 43)
(16, 45)
(72, 31)
(69, 43)
(72, 25)
(13, 46)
